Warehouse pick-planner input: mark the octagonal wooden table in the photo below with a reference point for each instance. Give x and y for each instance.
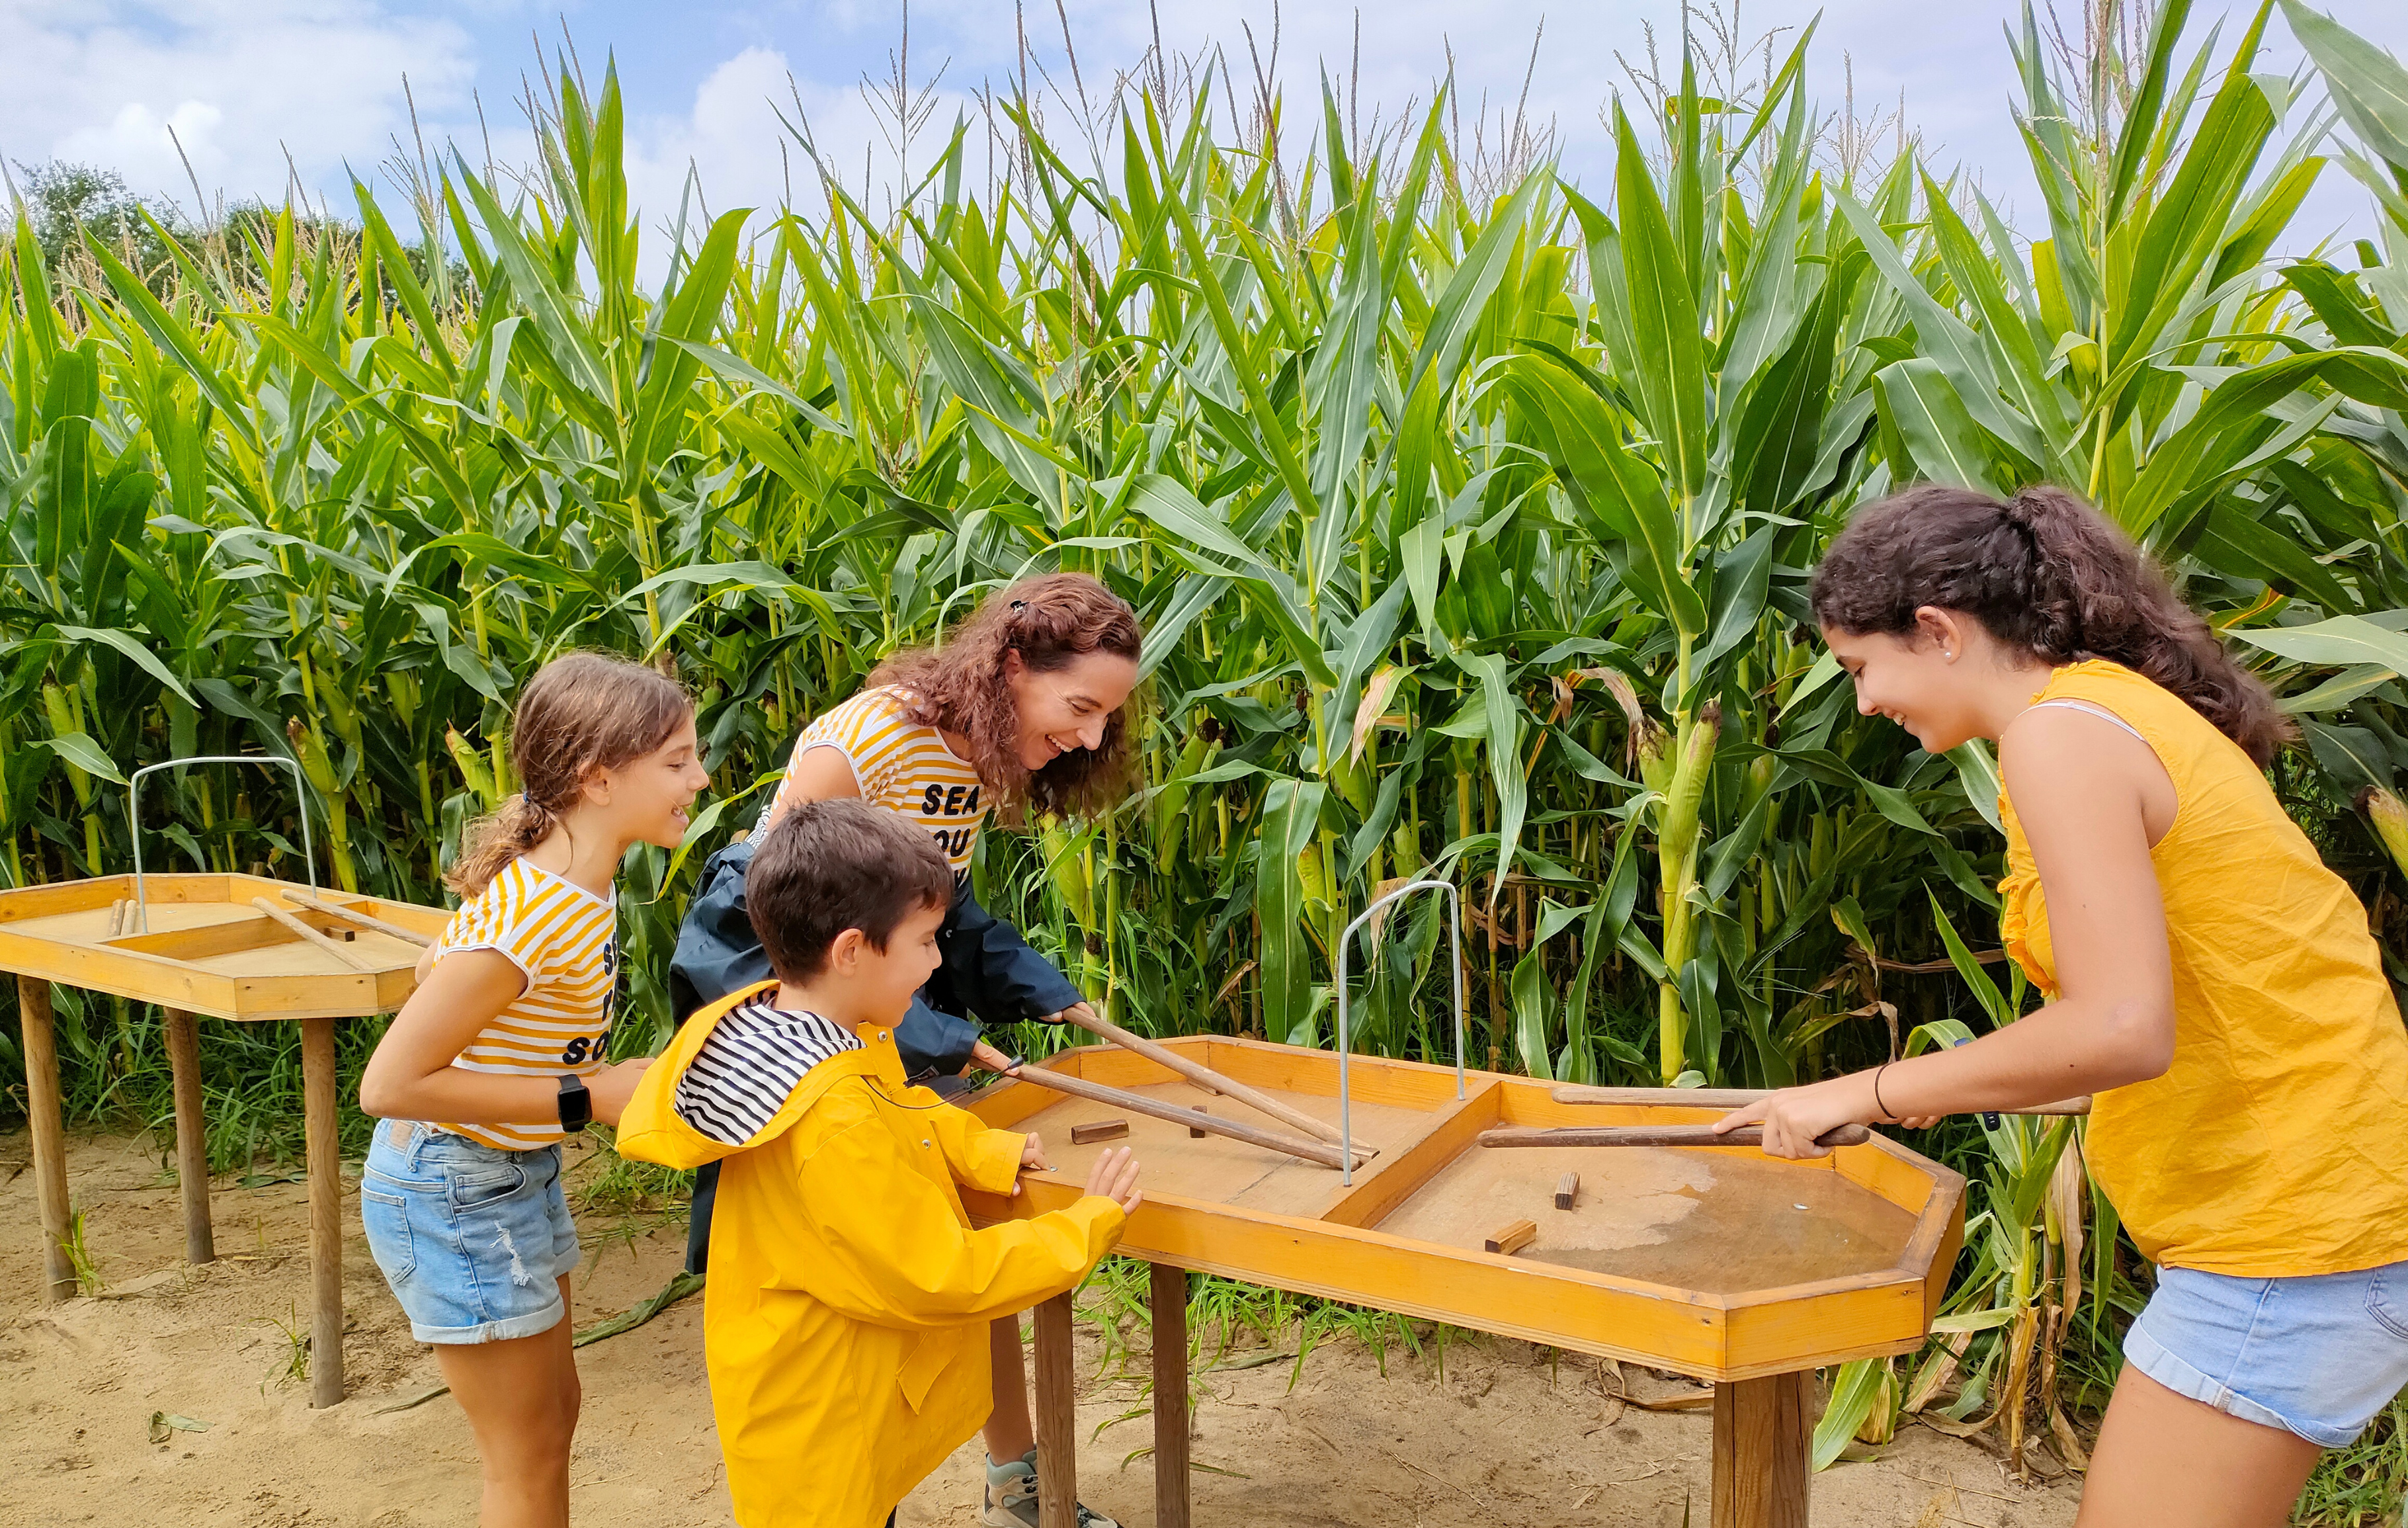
(198, 944)
(1740, 1269)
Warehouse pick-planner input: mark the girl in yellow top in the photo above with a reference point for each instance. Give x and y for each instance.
(503, 1044)
(2210, 983)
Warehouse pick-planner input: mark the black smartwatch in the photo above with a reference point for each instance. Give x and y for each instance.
(576, 1103)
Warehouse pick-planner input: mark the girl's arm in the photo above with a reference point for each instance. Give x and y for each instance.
(2083, 789)
(411, 1075)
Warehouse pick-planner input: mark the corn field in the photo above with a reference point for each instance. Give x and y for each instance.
(1470, 510)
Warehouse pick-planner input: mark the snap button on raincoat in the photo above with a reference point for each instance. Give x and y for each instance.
(844, 1320)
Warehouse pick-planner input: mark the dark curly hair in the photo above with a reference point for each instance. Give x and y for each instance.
(2046, 573)
(1050, 621)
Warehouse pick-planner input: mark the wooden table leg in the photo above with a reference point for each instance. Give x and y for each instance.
(191, 1139)
(1761, 1431)
(325, 1212)
(1057, 1419)
(1168, 1298)
(49, 1133)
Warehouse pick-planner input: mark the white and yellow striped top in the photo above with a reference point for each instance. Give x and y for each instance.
(561, 935)
(902, 766)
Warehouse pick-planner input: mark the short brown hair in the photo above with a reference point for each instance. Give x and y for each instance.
(825, 867)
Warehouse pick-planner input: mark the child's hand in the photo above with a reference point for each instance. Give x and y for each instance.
(614, 1086)
(1032, 1156)
(1115, 1178)
(987, 1058)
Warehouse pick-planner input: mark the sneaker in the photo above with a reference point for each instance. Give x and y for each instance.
(1011, 1496)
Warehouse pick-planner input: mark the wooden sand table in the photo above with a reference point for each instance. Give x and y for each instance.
(1717, 1261)
(230, 947)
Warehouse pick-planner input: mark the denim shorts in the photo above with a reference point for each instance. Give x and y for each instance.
(2320, 1355)
(471, 1239)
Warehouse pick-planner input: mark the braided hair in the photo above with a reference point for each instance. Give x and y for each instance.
(581, 713)
(2046, 572)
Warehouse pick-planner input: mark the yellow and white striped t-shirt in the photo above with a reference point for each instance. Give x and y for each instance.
(901, 765)
(561, 936)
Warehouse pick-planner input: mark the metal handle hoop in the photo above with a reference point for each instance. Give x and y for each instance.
(1345, 942)
(133, 815)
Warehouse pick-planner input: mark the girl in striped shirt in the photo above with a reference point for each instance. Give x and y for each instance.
(499, 1056)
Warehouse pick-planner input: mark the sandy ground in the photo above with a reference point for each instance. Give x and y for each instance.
(1501, 1436)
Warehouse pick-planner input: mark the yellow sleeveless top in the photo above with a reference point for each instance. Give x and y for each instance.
(2276, 1145)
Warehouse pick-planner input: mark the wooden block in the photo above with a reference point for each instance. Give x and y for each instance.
(1102, 1129)
(1196, 1132)
(1566, 1190)
(1511, 1238)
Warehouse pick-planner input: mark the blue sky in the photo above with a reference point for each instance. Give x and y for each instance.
(258, 90)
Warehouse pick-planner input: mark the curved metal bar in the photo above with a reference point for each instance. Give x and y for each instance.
(1346, 943)
(134, 814)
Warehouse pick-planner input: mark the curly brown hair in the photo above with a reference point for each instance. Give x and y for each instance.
(1050, 621)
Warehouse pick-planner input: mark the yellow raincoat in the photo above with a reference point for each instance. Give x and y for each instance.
(845, 1319)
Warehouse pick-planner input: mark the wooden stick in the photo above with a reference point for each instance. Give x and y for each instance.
(408, 936)
(332, 947)
(1740, 1097)
(1658, 1136)
(1312, 1151)
(1568, 1190)
(1511, 1238)
(192, 1144)
(1100, 1129)
(1211, 1081)
(116, 919)
(324, 1150)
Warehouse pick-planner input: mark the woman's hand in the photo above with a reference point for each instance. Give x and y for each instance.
(1793, 1117)
(1080, 1013)
(986, 1056)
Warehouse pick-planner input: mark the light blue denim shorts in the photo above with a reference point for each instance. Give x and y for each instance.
(472, 1239)
(2319, 1356)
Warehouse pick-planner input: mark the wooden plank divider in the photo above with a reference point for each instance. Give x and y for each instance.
(1100, 1130)
(1568, 1190)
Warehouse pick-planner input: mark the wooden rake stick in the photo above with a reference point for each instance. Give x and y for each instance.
(1740, 1097)
(1658, 1136)
(1311, 1151)
(331, 946)
(1211, 1081)
(408, 936)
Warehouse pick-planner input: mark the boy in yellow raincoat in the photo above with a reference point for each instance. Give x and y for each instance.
(845, 1322)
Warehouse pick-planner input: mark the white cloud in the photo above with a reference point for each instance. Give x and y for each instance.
(241, 83)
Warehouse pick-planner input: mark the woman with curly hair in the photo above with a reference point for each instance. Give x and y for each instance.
(1022, 711)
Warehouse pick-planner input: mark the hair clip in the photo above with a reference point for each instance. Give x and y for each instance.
(1020, 604)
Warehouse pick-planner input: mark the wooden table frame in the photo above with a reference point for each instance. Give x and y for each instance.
(1759, 1349)
(125, 966)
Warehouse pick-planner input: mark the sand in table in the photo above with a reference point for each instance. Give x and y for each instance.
(1719, 1221)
